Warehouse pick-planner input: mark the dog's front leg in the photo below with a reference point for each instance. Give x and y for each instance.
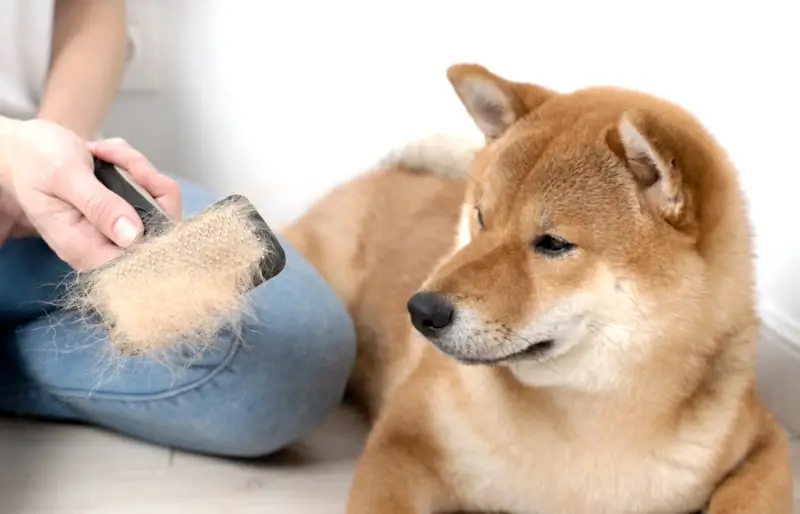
(762, 484)
(397, 475)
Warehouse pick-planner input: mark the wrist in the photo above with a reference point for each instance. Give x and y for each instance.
(73, 126)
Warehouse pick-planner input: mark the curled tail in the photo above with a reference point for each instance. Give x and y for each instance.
(442, 155)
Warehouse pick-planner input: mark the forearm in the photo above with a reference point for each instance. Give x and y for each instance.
(88, 59)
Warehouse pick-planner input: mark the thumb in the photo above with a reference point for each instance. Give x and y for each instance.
(108, 212)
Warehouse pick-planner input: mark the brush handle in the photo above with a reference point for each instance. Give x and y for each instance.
(121, 183)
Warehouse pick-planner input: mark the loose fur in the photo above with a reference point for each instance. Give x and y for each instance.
(564, 326)
(179, 287)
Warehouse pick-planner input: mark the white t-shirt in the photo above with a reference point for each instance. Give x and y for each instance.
(25, 34)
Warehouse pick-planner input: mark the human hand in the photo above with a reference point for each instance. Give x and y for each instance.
(50, 176)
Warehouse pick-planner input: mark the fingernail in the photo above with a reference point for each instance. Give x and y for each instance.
(125, 231)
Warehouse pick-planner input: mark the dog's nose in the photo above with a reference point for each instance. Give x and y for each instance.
(430, 312)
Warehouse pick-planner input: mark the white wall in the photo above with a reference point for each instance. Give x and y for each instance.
(281, 100)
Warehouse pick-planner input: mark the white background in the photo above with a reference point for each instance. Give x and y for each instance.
(282, 100)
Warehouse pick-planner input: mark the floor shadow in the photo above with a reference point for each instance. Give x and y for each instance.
(23, 458)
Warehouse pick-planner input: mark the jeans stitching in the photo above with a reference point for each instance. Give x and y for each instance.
(81, 394)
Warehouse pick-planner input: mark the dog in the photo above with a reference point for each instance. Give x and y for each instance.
(558, 319)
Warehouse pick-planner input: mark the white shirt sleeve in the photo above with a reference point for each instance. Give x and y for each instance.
(25, 35)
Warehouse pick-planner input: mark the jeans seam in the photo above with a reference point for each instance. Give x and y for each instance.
(81, 394)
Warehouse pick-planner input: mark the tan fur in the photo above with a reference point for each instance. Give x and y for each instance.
(643, 401)
(209, 261)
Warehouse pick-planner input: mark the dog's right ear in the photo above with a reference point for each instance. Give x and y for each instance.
(494, 102)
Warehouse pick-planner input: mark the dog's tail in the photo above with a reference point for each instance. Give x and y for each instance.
(442, 155)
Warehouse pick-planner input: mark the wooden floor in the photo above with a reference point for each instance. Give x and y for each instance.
(64, 469)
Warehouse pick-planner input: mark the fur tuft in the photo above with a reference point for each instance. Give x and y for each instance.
(180, 287)
(442, 155)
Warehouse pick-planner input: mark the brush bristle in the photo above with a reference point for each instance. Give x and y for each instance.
(182, 285)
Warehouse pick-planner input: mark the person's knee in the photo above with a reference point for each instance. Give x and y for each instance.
(300, 360)
(285, 378)
(294, 363)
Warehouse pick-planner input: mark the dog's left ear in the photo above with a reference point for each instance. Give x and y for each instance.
(650, 149)
(494, 102)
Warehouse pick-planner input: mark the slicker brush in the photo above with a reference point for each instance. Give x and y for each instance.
(183, 282)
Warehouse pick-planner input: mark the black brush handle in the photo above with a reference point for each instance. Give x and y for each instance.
(121, 183)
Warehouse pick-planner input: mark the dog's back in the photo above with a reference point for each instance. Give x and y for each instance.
(376, 238)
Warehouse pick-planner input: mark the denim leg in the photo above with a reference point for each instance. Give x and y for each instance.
(247, 396)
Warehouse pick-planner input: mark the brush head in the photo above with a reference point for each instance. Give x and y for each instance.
(184, 282)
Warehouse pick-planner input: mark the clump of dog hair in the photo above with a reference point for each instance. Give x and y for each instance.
(182, 285)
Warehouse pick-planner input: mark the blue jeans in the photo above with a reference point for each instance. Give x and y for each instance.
(248, 396)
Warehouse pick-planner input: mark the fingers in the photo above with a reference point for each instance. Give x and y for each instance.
(73, 238)
(115, 218)
(102, 250)
(108, 222)
(162, 188)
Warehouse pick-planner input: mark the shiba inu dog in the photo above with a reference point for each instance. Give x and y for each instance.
(559, 320)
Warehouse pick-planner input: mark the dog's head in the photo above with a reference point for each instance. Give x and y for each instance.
(587, 234)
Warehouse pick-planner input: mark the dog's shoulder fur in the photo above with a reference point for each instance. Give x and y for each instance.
(594, 261)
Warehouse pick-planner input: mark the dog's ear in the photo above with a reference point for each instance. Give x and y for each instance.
(494, 102)
(651, 150)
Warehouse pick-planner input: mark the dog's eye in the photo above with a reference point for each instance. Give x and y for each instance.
(551, 246)
(479, 218)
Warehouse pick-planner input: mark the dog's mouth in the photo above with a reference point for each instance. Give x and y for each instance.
(533, 351)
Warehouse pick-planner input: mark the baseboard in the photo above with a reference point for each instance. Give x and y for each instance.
(779, 367)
